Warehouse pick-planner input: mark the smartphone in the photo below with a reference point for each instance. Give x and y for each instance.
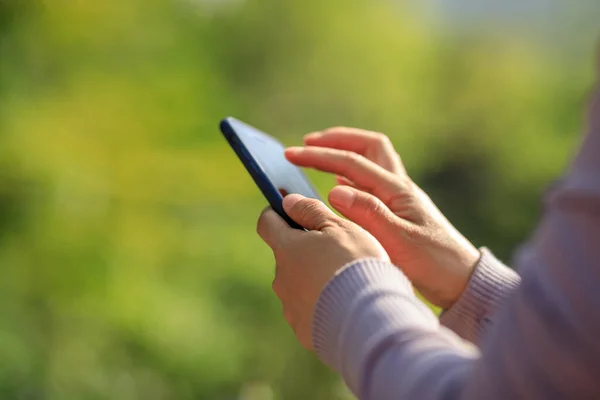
(263, 156)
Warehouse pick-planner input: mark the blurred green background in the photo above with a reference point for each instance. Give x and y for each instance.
(130, 267)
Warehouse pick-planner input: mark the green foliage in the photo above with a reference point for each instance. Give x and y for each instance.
(130, 267)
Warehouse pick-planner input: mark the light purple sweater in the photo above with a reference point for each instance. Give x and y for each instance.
(536, 336)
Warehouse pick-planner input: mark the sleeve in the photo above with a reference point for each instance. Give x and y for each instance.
(368, 317)
(544, 344)
(488, 288)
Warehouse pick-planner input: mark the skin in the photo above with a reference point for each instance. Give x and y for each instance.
(374, 193)
(306, 261)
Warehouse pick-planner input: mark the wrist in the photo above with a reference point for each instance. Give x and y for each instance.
(455, 267)
(467, 262)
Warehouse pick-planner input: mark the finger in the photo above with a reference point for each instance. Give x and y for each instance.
(351, 139)
(375, 146)
(272, 228)
(343, 181)
(340, 180)
(311, 214)
(352, 166)
(369, 212)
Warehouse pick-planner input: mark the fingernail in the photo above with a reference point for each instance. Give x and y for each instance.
(293, 150)
(290, 200)
(342, 197)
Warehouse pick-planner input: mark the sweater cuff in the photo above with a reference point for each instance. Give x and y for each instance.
(364, 302)
(489, 285)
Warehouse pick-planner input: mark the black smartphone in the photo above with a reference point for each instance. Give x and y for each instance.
(263, 156)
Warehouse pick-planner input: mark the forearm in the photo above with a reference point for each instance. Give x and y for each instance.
(489, 286)
(370, 327)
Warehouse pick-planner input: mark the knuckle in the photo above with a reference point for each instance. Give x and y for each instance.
(374, 206)
(352, 157)
(260, 223)
(382, 137)
(401, 198)
(383, 140)
(276, 286)
(307, 206)
(406, 183)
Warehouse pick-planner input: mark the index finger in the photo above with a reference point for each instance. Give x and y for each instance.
(374, 145)
(350, 165)
(272, 228)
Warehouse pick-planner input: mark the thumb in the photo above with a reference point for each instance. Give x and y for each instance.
(365, 210)
(311, 214)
